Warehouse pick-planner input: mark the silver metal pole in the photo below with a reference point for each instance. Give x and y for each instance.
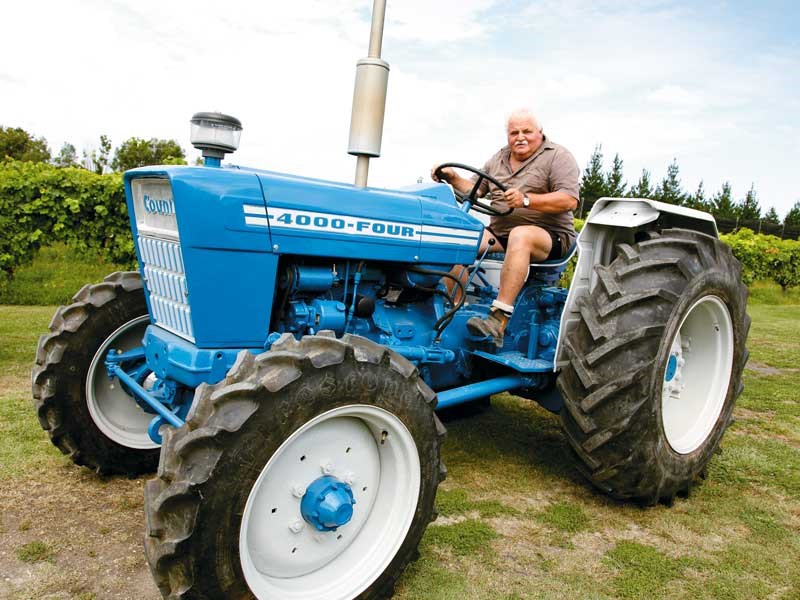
(362, 170)
(369, 99)
(376, 33)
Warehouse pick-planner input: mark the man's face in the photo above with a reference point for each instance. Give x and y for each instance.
(524, 137)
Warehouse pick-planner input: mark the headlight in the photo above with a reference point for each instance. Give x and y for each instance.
(154, 208)
(215, 134)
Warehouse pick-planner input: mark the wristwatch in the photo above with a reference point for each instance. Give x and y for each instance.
(526, 202)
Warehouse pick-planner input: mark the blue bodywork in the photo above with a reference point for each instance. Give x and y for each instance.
(232, 258)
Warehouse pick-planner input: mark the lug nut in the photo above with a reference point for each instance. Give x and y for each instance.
(298, 491)
(327, 468)
(297, 526)
(350, 478)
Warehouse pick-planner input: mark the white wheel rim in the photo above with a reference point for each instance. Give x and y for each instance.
(113, 410)
(697, 375)
(282, 556)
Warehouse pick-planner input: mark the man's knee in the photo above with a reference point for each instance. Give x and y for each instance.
(531, 238)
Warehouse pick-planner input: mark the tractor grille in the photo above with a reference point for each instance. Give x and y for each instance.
(165, 279)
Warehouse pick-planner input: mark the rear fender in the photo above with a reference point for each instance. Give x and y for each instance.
(613, 221)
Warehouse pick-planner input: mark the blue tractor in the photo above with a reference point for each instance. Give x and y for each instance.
(282, 351)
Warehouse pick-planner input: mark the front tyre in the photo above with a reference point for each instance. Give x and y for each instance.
(309, 472)
(656, 365)
(90, 418)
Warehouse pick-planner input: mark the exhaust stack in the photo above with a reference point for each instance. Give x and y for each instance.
(369, 99)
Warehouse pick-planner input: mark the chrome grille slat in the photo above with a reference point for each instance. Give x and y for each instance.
(166, 283)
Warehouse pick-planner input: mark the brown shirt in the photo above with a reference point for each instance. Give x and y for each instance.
(552, 168)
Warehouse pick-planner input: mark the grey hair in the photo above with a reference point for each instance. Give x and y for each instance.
(524, 113)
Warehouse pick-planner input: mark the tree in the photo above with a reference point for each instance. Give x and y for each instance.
(748, 209)
(593, 184)
(669, 190)
(643, 187)
(698, 199)
(792, 218)
(137, 152)
(20, 145)
(772, 216)
(67, 156)
(97, 160)
(722, 204)
(615, 187)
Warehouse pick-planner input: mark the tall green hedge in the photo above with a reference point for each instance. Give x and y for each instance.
(766, 257)
(41, 204)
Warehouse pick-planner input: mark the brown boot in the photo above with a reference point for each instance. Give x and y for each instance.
(494, 325)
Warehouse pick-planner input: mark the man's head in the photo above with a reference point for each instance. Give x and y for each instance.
(524, 133)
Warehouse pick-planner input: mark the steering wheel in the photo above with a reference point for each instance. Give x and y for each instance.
(472, 196)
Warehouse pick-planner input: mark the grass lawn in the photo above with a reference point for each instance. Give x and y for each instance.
(517, 521)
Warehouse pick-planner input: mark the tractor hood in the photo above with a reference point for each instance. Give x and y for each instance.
(420, 224)
(216, 235)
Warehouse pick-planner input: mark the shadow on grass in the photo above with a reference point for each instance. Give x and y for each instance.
(515, 441)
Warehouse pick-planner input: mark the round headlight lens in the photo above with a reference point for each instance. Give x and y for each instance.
(215, 131)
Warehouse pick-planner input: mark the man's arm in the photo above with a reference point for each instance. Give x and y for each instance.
(462, 184)
(552, 202)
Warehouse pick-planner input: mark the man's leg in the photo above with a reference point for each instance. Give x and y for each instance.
(526, 243)
(460, 271)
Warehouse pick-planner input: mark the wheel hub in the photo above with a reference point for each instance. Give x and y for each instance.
(327, 504)
(673, 374)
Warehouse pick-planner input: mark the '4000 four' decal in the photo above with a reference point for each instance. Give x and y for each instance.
(304, 220)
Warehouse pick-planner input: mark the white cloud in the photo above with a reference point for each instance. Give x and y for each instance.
(674, 96)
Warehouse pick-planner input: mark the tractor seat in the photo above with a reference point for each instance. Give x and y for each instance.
(545, 264)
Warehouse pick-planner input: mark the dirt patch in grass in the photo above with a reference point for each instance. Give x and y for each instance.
(763, 369)
(13, 383)
(67, 533)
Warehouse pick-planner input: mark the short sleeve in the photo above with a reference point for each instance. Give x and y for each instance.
(565, 174)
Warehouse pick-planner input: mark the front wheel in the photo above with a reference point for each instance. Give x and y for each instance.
(309, 472)
(656, 365)
(89, 417)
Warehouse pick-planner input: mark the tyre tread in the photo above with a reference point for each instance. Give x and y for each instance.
(222, 410)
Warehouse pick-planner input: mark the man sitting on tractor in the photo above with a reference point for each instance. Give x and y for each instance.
(542, 178)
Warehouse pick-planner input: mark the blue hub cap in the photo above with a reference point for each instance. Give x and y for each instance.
(672, 367)
(327, 504)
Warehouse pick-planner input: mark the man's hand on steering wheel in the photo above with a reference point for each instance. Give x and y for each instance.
(515, 198)
(445, 172)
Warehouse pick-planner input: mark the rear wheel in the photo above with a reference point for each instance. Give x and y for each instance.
(89, 417)
(309, 472)
(656, 365)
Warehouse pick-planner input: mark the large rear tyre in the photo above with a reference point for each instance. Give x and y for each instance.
(88, 417)
(237, 508)
(656, 365)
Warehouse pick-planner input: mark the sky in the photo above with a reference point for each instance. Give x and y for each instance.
(713, 84)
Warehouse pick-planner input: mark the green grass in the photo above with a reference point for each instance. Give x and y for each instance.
(462, 539)
(55, 274)
(565, 516)
(643, 571)
(456, 502)
(768, 292)
(34, 552)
